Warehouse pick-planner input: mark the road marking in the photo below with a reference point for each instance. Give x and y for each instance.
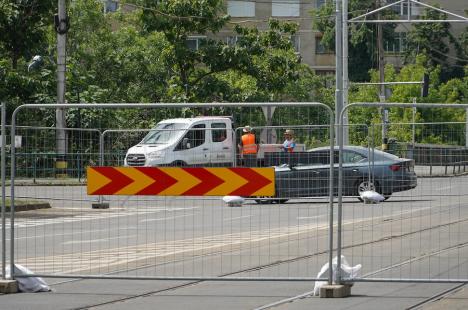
(310, 217)
(113, 259)
(110, 259)
(165, 218)
(237, 218)
(106, 215)
(96, 240)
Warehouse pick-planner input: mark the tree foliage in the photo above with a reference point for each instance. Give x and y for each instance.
(199, 74)
(435, 41)
(143, 56)
(453, 91)
(362, 36)
(23, 25)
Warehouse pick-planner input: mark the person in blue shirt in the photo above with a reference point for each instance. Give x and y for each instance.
(289, 144)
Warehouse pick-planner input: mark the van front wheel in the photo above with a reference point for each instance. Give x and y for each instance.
(178, 163)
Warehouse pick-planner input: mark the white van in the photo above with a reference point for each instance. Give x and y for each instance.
(191, 141)
(185, 141)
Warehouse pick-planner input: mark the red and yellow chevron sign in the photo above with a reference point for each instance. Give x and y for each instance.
(181, 181)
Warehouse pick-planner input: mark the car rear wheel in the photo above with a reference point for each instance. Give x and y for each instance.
(365, 185)
(263, 200)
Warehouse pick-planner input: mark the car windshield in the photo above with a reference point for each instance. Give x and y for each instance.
(164, 133)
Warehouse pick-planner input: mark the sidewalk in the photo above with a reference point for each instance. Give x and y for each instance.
(139, 294)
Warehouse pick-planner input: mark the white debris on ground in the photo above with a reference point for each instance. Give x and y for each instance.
(29, 284)
(347, 272)
(371, 197)
(233, 201)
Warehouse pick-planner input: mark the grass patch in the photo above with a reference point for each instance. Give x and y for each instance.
(26, 204)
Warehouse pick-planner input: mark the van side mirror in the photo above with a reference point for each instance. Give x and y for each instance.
(185, 143)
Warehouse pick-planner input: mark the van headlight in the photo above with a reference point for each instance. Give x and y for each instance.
(157, 154)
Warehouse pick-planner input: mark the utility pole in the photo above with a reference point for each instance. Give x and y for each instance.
(61, 27)
(345, 71)
(338, 62)
(382, 80)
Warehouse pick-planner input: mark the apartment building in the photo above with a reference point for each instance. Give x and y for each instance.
(307, 41)
(256, 13)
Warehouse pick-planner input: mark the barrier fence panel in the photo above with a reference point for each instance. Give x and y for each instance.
(419, 233)
(3, 185)
(37, 159)
(181, 236)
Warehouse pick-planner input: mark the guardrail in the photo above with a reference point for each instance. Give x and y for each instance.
(439, 159)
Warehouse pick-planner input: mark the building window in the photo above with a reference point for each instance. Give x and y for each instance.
(319, 3)
(110, 6)
(231, 40)
(296, 42)
(320, 48)
(402, 8)
(193, 43)
(285, 8)
(396, 44)
(241, 8)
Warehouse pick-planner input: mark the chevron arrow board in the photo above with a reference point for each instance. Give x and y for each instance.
(181, 181)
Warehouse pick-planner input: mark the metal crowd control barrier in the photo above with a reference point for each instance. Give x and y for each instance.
(60, 262)
(421, 237)
(3, 168)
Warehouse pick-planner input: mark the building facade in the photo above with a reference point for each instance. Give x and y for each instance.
(307, 41)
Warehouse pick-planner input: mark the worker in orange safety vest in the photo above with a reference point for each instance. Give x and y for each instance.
(248, 147)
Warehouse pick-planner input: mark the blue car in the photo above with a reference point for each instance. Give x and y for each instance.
(363, 169)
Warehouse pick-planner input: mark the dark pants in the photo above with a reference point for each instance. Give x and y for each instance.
(250, 160)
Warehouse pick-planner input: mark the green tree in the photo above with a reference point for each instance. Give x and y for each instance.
(362, 36)
(431, 39)
(196, 74)
(23, 25)
(453, 91)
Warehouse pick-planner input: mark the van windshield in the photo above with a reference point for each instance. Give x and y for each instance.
(164, 133)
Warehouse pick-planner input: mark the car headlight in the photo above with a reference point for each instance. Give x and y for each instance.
(157, 154)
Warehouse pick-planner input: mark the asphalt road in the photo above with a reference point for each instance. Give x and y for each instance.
(418, 234)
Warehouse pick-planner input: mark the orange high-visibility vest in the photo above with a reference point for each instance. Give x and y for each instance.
(248, 144)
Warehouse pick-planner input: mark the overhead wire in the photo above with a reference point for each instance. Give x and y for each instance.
(257, 20)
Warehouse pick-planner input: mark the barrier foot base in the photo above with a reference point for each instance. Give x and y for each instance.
(335, 291)
(100, 205)
(8, 286)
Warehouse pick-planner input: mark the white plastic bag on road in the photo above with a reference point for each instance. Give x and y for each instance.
(372, 197)
(233, 201)
(28, 285)
(346, 272)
